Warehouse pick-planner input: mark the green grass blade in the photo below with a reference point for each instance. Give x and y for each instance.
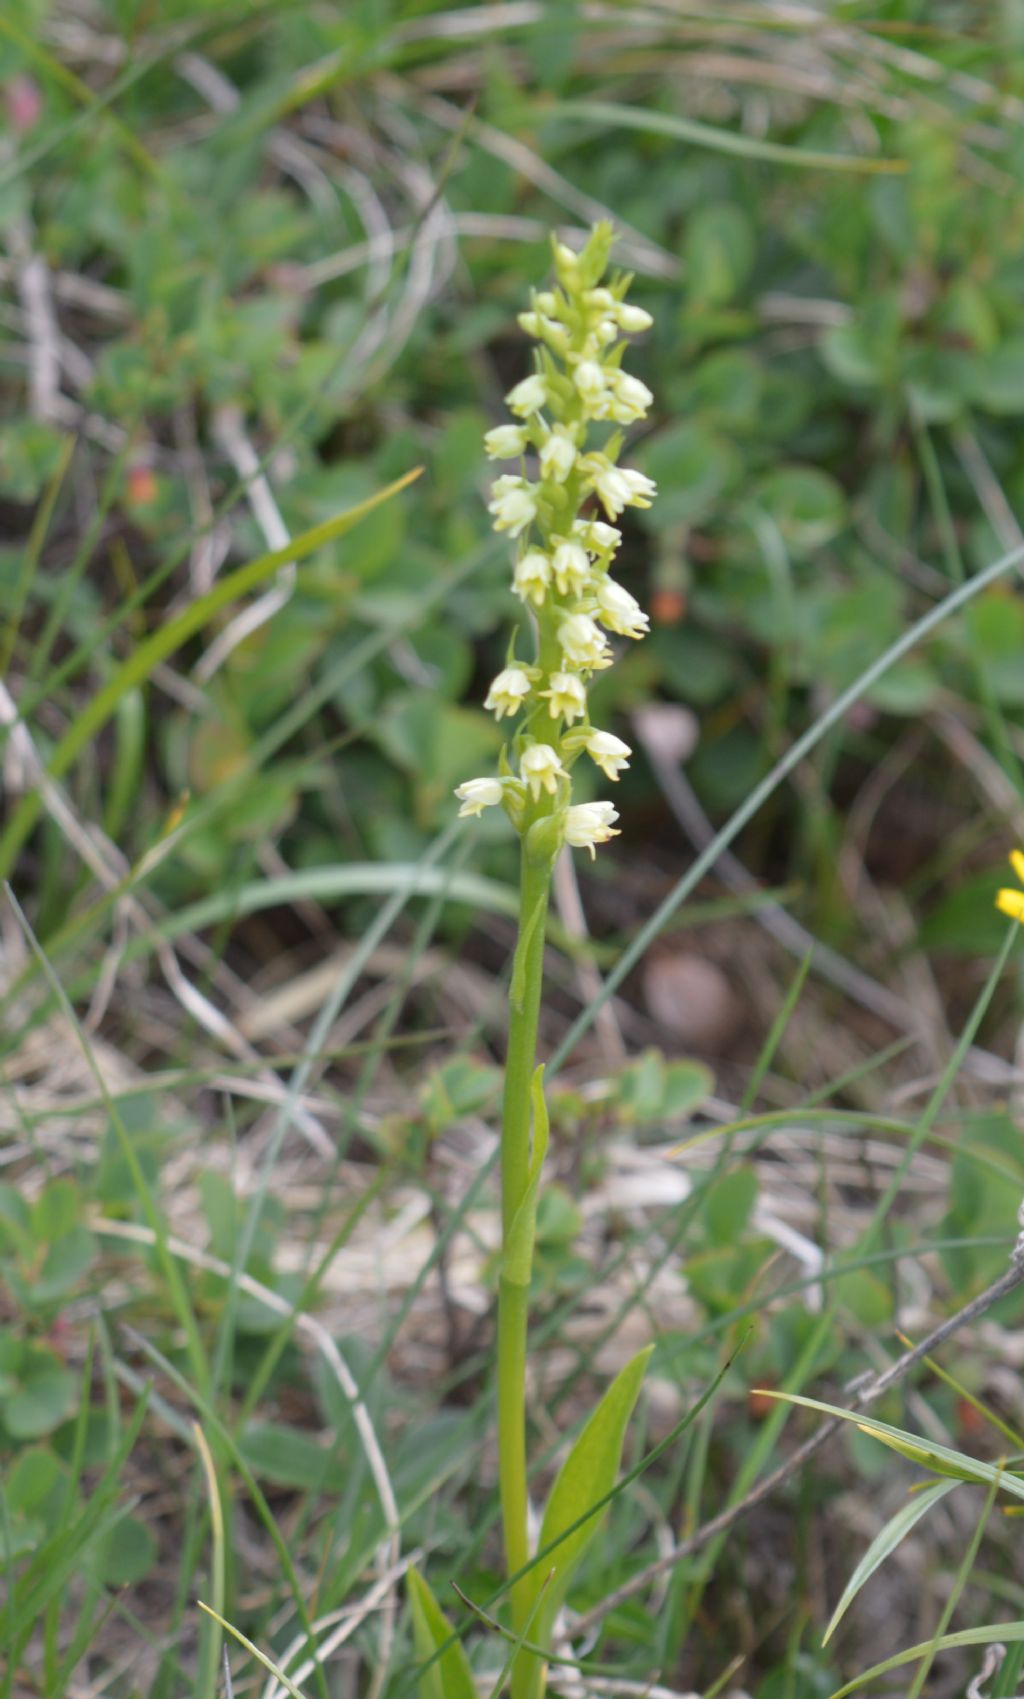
(721, 141)
(884, 1544)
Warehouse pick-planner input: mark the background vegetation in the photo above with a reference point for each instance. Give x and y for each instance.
(260, 263)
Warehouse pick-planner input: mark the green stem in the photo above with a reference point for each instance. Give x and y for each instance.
(513, 1299)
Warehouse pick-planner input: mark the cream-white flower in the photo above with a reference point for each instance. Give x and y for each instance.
(595, 535)
(609, 752)
(583, 643)
(642, 489)
(531, 576)
(505, 442)
(477, 794)
(566, 697)
(546, 330)
(590, 381)
(514, 505)
(632, 319)
(571, 566)
(508, 692)
(590, 823)
(528, 396)
(620, 611)
(617, 487)
(558, 454)
(632, 398)
(541, 769)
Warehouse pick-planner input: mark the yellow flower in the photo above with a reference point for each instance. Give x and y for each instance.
(1012, 902)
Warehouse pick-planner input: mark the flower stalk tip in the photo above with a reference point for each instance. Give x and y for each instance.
(559, 508)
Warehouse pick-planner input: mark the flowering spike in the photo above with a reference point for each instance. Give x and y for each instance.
(561, 569)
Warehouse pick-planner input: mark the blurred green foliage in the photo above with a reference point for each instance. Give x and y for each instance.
(309, 229)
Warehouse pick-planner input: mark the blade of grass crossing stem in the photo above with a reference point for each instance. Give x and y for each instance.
(176, 1287)
(766, 787)
(212, 1643)
(168, 638)
(884, 1544)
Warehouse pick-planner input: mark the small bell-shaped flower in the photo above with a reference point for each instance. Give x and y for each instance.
(477, 794)
(514, 505)
(541, 769)
(508, 692)
(590, 823)
(620, 611)
(609, 752)
(566, 697)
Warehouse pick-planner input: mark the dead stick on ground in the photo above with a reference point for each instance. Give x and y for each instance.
(865, 1395)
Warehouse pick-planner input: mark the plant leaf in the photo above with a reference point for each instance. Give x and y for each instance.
(885, 1542)
(1007, 1632)
(925, 1453)
(448, 1675)
(587, 1475)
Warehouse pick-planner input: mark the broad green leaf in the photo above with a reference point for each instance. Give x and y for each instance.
(940, 1459)
(57, 1211)
(884, 1543)
(44, 1396)
(290, 1458)
(124, 1554)
(587, 1475)
(449, 1675)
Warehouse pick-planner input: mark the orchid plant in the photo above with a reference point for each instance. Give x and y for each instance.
(561, 516)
